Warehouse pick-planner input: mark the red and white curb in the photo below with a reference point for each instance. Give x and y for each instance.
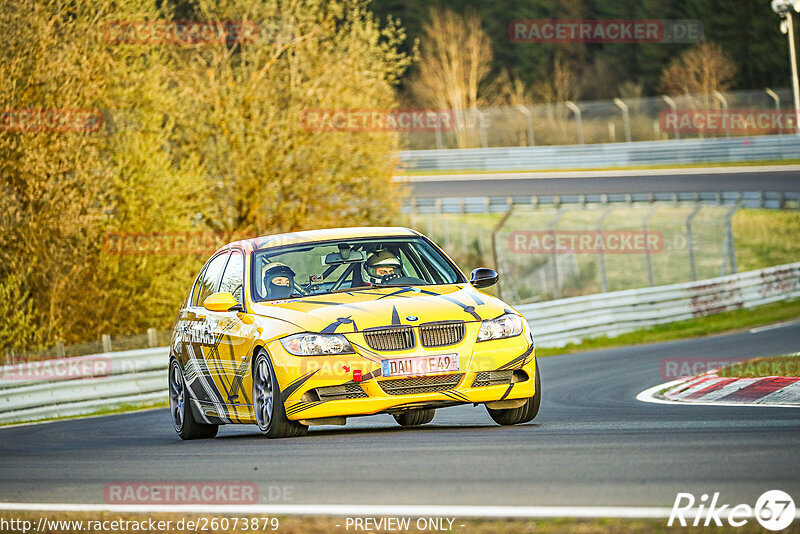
(711, 389)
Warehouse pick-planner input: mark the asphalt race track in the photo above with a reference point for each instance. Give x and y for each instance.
(592, 444)
(782, 179)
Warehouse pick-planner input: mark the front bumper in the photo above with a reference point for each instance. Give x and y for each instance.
(301, 377)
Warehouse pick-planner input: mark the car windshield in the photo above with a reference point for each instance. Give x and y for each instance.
(332, 266)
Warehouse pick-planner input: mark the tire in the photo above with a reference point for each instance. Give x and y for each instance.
(183, 420)
(415, 417)
(267, 403)
(523, 414)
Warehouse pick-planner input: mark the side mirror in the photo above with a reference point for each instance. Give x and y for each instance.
(220, 302)
(483, 277)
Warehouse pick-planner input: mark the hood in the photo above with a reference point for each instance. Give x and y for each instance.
(356, 310)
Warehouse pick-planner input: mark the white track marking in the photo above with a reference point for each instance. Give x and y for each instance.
(771, 327)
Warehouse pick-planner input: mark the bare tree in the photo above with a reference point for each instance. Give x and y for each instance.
(456, 57)
(560, 87)
(700, 70)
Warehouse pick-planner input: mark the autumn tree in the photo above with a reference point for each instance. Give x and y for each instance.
(191, 137)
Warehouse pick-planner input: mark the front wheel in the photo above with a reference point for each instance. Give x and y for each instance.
(183, 420)
(415, 417)
(267, 404)
(523, 414)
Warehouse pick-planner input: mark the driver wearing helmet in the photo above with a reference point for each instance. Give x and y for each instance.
(383, 266)
(278, 280)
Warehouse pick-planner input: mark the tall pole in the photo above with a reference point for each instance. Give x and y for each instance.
(783, 8)
(793, 59)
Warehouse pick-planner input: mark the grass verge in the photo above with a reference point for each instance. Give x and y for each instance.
(720, 323)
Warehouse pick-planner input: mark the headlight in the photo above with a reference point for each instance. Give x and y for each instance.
(316, 344)
(508, 325)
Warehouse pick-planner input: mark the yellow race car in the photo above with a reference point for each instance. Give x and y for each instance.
(311, 328)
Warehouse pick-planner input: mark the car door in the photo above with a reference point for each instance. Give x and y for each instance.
(201, 343)
(236, 334)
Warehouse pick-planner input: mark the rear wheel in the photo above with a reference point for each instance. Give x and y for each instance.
(267, 404)
(523, 414)
(415, 417)
(183, 420)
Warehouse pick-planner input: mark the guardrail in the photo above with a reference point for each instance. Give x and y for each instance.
(673, 152)
(82, 385)
(139, 376)
(571, 320)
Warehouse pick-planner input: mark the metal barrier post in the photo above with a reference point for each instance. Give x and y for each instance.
(689, 240)
(152, 337)
(106, 340)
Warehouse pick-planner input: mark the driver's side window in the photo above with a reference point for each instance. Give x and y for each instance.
(233, 278)
(211, 278)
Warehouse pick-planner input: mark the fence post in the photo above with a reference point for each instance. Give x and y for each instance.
(728, 248)
(673, 107)
(482, 127)
(551, 228)
(626, 120)
(774, 96)
(495, 254)
(601, 259)
(724, 102)
(577, 111)
(60, 352)
(690, 241)
(106, 340)
(647, 258)
(152, 337)
(531, 141)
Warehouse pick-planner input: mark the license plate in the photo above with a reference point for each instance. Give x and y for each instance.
(420, 365)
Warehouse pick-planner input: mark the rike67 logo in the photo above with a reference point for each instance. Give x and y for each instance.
(774, 510)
